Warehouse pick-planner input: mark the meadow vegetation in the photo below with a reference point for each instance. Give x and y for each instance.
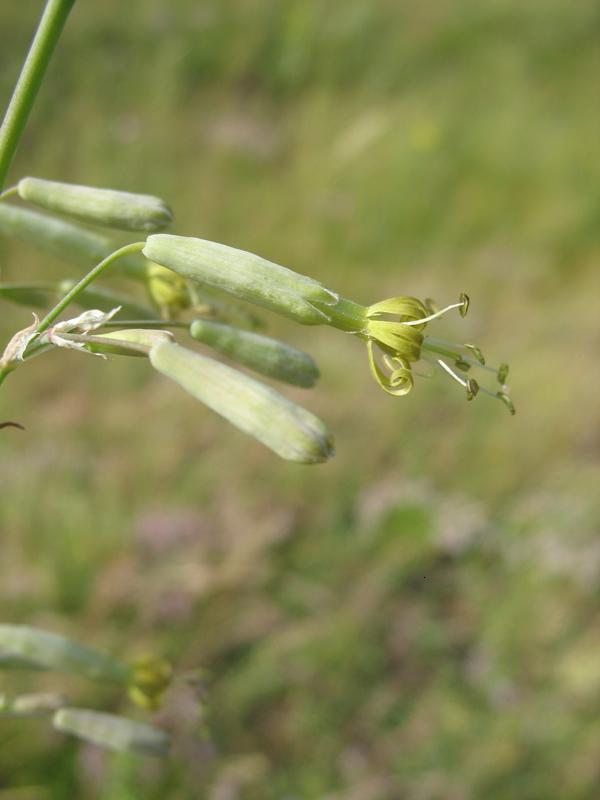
(417, 618)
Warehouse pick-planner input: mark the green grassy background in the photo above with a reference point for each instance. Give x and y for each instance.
(419, 618)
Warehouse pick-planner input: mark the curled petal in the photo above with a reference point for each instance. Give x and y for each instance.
(399, 381)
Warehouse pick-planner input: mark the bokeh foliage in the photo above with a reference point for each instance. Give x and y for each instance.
(418, 618)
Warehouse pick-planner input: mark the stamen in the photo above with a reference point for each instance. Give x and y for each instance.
(502, 373)
(452, 373)
(463, 304)
(447, 349)
(472, 388)
(476, 353)
(502, 396)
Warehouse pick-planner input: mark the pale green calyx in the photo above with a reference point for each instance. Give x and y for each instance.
(261, 353)
(107, 207)
(113, 732)
(50, 651)
(289, 430)
(244, 275)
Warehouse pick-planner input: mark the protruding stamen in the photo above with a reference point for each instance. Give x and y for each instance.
(462, 364)
(502, 373)
(472, 388)
(463, 305)
(451, 372)
(504, 398)
(477, 354)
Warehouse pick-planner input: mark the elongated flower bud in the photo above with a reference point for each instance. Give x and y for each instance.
(62, 239)
(107, 207)
(289, 430)
(50, 651)
(31, 705)
(243, 275)
(129, 342)
(113, 732)
(261, 353)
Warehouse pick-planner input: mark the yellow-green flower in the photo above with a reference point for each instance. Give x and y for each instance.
(395, 340)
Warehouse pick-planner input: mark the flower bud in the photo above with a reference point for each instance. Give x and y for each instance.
(43, 650)
(151, 679)
(63, 240)
(107, 207)
(260, 353)
(113, 732)
(129, 342)
(289, 430)
(32, 705)
(168, 291)
(243, 275)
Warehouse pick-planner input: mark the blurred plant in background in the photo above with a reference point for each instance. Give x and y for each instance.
(419, 618)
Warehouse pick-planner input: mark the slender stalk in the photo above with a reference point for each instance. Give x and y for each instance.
(136, 247)
(145, 323)
(46, 37)
(12, 192)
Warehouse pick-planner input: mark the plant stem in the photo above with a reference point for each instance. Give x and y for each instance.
(14, 190)
(32, 73)
(146, 323)
(136, 247)
(3, 373)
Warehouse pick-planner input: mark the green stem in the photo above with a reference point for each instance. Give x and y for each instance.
(32, 73)
(136, 247)
(145, 323)
(14, 190)
(69, 297)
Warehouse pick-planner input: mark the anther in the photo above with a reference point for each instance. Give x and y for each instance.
(502, 373)
(477, 354)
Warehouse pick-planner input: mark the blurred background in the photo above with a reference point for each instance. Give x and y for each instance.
(417, 619)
